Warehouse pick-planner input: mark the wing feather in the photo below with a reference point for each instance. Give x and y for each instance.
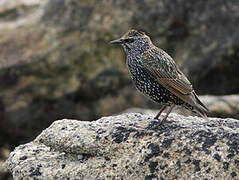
(164, 69)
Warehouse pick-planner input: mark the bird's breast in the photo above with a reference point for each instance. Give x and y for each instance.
(134, 65)
(139, 74)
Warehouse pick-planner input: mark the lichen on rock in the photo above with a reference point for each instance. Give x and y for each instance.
(131, 146)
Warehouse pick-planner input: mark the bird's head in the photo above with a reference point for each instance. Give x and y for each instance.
(134, 40)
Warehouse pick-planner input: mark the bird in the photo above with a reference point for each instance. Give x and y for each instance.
(156, 75)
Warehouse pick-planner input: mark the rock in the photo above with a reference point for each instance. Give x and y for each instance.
(4, 172)
(131, 146)
(222, 106)
(56, 62)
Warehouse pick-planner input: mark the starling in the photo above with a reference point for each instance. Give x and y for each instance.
(156, 75)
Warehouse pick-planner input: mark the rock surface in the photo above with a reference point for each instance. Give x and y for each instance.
(222, 106)
(56, 62)
(131, 146)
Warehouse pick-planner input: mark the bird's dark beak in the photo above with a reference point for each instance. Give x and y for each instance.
(117, 41)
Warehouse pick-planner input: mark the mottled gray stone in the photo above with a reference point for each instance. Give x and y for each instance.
(131, 146)
(222, 106)
(56, 62)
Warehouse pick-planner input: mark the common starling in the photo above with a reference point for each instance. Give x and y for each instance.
(156, 75)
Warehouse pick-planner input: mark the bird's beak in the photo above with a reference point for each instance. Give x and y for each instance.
(117, 41)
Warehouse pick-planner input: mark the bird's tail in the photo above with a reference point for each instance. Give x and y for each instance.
(200, 108)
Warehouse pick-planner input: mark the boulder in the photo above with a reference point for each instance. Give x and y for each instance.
(222, 106)
(131, 146)
(56, 62)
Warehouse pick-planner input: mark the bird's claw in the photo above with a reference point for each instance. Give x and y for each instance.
(163, 121)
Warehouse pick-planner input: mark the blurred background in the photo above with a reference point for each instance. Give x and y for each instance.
(56, 62)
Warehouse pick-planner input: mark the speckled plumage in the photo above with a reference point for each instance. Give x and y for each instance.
(156, 75)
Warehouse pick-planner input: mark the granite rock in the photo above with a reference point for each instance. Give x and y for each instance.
(222, 106)
(131, 146)
(56, 62)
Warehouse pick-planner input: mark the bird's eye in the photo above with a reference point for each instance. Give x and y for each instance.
(129, 40)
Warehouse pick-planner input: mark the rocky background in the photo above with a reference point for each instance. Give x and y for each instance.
(56, 62)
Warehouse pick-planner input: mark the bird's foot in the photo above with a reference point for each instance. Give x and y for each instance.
(163, 121)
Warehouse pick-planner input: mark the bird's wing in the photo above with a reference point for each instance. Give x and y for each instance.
(163, 68)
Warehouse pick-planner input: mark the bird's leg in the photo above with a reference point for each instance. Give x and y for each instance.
(160, 112)
(169, 111)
